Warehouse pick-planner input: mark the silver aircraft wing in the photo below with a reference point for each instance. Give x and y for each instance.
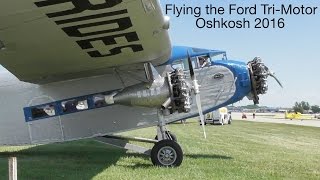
(45, 41)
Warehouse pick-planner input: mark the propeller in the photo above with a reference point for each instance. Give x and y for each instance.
(272, 74)
(197, 94)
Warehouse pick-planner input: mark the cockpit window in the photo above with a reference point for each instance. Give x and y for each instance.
(219, 57)
(204, 61)
(178, 64)
(197, 62)
(183, 64)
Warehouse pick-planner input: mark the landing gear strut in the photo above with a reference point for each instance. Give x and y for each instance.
(169, 135)
(166, 151)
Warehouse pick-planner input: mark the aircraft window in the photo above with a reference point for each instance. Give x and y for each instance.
(204, 61)
(99, 100)
(194, 63)
(219, 57)
(103, 99)
(43, 111)
(74, 105)
(178, 64)
(183, 64)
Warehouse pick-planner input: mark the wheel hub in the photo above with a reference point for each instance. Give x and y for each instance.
(167, 155)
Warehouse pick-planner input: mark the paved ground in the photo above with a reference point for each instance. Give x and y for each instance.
(270, 118)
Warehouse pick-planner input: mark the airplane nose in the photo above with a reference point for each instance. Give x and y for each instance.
(259, 73)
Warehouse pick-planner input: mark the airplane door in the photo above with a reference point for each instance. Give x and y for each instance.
(45, 130)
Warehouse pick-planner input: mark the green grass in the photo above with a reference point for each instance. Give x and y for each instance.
(244, 150)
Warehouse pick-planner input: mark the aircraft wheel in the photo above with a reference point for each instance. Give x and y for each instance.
(229, 122)
(166, 153)
(173, 136)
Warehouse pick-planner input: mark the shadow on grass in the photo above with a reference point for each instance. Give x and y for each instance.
(139, 166)
(192, 156)
(75, 160)
(207, 156)
(72, 160)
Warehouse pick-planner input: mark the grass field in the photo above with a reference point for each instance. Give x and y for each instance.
(244, 150)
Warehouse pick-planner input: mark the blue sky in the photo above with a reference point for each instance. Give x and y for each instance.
(292, 53)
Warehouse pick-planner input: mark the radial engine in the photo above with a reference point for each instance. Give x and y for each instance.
(171, 93)
(259, 73)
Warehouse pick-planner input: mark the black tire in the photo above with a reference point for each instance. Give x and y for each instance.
(173, 136)
(166, 153)
(230, 120)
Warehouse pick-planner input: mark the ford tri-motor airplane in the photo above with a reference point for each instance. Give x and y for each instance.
(89, 69)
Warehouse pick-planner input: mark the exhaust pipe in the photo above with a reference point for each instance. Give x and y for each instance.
(166, 104)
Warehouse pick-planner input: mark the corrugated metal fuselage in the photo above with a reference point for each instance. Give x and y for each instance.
(231, 85)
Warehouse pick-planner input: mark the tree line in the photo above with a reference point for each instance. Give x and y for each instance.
(305, 106)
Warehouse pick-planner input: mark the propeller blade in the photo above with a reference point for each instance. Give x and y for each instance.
(190, 67)
(198, 101)
(272, 75)
(197, 94)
